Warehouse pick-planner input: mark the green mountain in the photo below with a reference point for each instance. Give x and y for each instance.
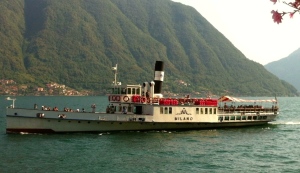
(287, 68)
(76, 42)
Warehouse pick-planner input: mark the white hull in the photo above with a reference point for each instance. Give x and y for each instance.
(18, 124)
(25, 120)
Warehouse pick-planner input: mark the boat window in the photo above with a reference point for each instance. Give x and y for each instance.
(123, 91)
(201, 110)
(138, 91)
(249, 117)
(139, 109)
(210, 110)
(133, 91)
(226, 118)
(170, 110)
(161, 110)
(197, 110)
(221, 118)
(166, 110)
(206, 110)
(243, 117)
(128, 90)
(232, 117)
(118, 90)
(215, 110)
(264, 117)
(134, 110)
(254, 117)
(238, 117)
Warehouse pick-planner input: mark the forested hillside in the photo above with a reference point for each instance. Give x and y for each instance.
(287, 68)
(76, 42)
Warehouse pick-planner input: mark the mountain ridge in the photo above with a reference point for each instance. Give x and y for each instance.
(76, 42)
(287, 68)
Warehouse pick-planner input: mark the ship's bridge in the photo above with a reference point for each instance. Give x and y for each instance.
(125, 93)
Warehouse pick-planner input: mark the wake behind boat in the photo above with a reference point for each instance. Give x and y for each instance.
(143, 107)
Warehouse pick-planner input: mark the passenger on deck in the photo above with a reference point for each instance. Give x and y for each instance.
(225, 106)
(124, 110)
(112, 109)
(107, 109)
(93, 107)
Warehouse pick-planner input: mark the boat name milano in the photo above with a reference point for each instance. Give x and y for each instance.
(183, 112)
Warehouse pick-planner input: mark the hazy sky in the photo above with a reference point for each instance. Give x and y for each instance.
(249, 26)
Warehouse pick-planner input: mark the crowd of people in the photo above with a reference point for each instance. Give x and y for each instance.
(47, 108)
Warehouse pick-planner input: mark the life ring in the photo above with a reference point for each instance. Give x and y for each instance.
(126, 98)
(143, 100)
(137, 99)
(117, 98)
(155, 100)
(133, 98)
(113, 98)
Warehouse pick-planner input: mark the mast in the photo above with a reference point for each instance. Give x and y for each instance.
(115, 69)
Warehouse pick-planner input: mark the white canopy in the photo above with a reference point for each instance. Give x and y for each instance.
(233, 99)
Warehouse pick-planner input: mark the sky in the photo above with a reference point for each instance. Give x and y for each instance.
(250, 27)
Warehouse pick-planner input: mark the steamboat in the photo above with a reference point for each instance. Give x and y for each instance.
(142, 108)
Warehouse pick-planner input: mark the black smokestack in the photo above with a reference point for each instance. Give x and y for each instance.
(158, 76)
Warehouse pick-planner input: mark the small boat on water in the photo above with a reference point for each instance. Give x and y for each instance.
(143, 107)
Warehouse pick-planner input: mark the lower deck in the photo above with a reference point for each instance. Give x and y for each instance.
(44, 125)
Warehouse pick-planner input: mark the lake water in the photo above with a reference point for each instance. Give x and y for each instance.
(270, 148)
